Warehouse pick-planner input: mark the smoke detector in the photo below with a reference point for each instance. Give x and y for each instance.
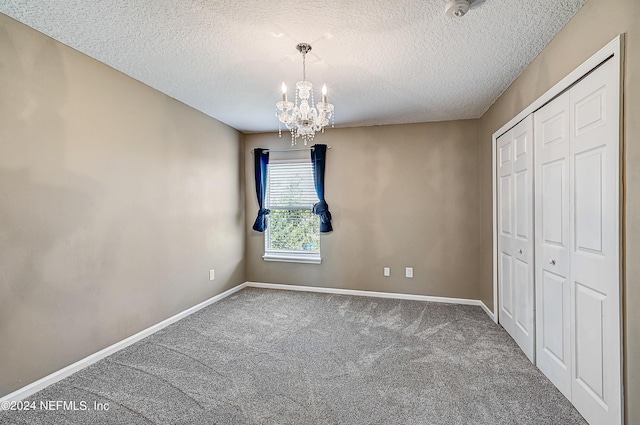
(457, 8)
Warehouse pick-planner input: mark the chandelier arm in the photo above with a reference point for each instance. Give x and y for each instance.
(301, 117)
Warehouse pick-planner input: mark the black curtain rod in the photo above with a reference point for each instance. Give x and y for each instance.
(289, 150)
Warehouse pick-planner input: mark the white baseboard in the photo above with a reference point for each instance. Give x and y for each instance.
(40, 384)
(356, 292)
(489, 312)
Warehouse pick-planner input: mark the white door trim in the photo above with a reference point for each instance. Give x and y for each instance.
(613, 48)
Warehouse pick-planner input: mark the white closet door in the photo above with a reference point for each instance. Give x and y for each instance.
(552, 241)
(505, 231)
(515, 235)
(595, 256)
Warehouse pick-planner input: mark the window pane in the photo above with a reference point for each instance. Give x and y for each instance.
(295, 230)
(293, 227)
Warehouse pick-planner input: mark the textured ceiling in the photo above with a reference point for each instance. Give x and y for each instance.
(384, 62)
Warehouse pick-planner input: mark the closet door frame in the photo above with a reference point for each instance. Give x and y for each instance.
(613, 51)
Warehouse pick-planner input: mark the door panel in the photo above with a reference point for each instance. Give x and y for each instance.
(595, 250)
(505, 205)
(590, 110)
(553, 291)
(554, 340)
(505, 150)
(505, 234)
(515, 236)
(554, 176)
(588, 185)
(521, 142)
(589, 340)
(554, 129)
(506, 293)
(523, 204)
(523, 315)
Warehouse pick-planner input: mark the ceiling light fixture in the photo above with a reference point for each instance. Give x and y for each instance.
(302, 119)
(457, 8)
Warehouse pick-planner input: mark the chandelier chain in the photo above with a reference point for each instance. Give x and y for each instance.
(304, 66)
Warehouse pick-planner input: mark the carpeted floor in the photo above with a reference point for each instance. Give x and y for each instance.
(279, 357)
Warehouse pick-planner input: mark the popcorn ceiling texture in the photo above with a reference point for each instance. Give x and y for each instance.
(384, 62)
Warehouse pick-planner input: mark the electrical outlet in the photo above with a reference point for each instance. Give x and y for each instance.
(212, 274)
(408, 272)
(387, 271)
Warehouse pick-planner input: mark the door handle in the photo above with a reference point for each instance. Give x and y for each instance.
(519, 251)
(552, 262)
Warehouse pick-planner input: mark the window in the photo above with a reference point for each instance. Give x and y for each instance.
(293, 233)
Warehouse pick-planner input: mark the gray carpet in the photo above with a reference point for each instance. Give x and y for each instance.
(280, 357)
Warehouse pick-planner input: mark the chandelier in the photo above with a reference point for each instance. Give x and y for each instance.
(302, 118)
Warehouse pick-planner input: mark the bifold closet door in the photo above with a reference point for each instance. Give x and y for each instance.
(595, 251)
(515, 235)
(552, 242)
(577, 268)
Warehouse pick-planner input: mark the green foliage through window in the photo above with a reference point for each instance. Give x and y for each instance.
(294, 230)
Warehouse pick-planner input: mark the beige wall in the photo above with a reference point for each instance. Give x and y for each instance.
(115, 201)
(400, 195)
(597, 23)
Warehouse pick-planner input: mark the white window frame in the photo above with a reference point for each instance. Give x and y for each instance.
(288, 256)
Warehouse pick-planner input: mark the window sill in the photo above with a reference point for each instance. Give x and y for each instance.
(293, 258)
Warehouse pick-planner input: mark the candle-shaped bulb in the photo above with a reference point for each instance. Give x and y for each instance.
(324, 93)
(284, 94)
